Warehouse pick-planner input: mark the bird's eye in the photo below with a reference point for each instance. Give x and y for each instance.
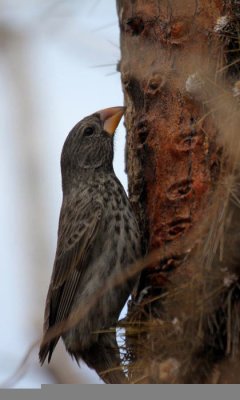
(88, 131)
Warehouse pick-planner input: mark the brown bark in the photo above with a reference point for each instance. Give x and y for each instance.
(174, 55)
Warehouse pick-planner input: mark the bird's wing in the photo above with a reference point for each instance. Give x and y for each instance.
(78, 228)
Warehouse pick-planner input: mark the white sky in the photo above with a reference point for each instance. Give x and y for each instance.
(48, 82)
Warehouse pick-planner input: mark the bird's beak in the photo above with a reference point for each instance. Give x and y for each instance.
(111, 118)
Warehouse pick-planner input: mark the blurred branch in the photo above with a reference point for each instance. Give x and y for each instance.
(62, 369)
(21, 369)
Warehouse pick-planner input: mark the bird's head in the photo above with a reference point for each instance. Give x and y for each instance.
(89, 145)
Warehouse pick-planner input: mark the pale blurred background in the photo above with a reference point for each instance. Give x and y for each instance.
(57, 65)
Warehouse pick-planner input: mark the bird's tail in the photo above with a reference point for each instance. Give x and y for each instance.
(47, 350)
(104, 357)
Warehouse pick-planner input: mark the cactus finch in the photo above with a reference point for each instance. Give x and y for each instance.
(97, 235)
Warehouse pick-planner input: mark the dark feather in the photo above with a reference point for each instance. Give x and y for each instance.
(70, 262)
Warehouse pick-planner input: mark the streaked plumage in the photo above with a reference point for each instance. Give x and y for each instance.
(97, 234)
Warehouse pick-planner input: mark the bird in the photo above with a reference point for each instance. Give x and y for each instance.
(98, 234)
